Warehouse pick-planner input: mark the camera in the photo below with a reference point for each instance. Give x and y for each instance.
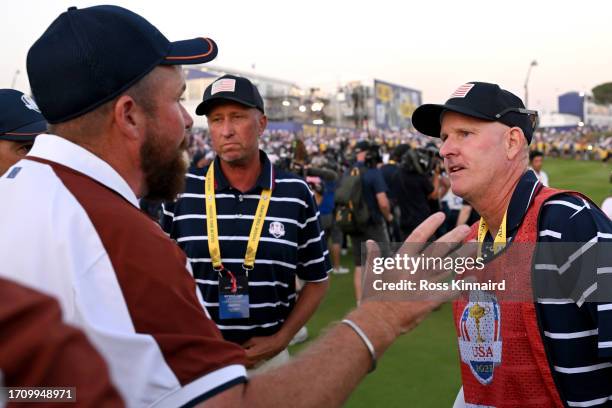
(419, 161)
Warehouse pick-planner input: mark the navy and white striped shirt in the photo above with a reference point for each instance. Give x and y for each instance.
(291, 244)
(577, 330)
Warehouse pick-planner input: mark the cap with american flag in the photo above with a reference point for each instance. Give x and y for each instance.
(480, 100)
(230, 88)
(223, 85)
(462, 91)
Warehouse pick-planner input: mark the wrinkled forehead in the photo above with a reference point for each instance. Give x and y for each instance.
(226, 106)
(453, 121)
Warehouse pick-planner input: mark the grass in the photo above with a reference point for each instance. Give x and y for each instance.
(589, 177)
(422, 368)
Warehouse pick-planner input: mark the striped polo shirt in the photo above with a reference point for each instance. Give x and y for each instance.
(576, 330)
(291, 244)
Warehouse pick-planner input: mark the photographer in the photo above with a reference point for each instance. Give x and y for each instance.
(414, 184)
(440, 184)
(376, 211)
(389, 171)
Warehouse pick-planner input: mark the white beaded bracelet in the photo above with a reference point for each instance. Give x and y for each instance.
(365, 340)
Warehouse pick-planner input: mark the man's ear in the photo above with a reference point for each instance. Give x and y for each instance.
(515, 142)
(263, 123)
(129, 117)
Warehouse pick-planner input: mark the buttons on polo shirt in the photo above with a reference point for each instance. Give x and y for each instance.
(239, 215)
(240, 198)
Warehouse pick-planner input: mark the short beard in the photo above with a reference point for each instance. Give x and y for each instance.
(164, 177)
(241, 161)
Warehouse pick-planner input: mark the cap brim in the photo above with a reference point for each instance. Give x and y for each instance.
(426, 118)
(204, 107)
(25, 133)
(194, 51)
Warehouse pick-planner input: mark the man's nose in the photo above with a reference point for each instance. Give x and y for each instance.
(187, 118)
(447, 148)
(227, 128)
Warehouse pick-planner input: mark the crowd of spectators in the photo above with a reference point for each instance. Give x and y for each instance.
(583, 143)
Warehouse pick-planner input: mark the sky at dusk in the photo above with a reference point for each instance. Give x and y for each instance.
(433, 46)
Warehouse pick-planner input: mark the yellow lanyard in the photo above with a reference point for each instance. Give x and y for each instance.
(500, 238)
(213, 231)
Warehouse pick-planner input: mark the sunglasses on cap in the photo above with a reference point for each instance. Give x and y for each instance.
(533, 115)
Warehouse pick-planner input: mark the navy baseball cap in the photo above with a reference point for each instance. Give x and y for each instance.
(89, 56)
(20, 118)
(231, 88)
(480, 100)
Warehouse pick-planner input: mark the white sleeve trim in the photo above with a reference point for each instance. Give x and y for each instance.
(316, 280)
(311, 262)
(201, 386)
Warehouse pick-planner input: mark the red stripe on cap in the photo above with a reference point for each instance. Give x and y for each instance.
(210, 45)
(22, 133)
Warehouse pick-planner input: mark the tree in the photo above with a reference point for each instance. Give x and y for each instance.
(603, 93)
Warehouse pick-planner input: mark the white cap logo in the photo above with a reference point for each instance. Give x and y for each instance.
(29, 103)
(223, 85)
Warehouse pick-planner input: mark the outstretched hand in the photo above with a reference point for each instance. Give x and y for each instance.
(408, 308)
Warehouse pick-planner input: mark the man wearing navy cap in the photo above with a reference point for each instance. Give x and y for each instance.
(554, 352)
(289, 244)
(374, 194)
(20, 123)
(109, 84)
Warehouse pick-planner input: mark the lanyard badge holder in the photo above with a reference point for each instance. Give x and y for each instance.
(233, 288)
(233, 295)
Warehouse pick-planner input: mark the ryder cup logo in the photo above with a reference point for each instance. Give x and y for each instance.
(277, 229)
(480, 342)
(29, 103)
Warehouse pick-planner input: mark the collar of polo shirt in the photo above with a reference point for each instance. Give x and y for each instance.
(523, 194)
